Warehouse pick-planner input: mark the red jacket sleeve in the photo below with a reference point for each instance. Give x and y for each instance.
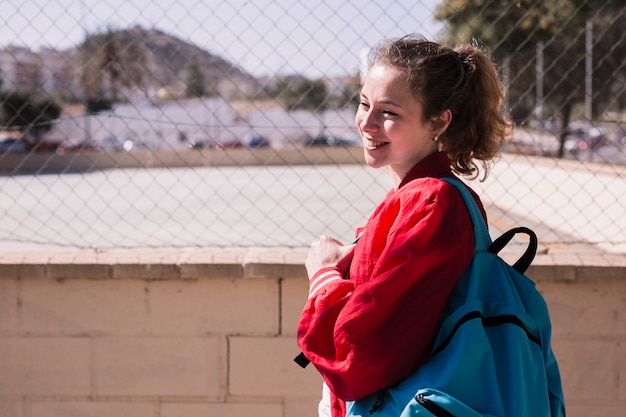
(372, 331)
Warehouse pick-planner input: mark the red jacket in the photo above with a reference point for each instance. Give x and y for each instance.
(374, 329)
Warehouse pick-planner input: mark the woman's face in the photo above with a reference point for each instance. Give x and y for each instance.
(390, 123)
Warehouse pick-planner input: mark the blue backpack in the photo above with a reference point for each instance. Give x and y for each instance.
(492, 354)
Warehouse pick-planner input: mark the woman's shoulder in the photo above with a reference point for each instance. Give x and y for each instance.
(426, 188)
(419, 195)
(429, 190)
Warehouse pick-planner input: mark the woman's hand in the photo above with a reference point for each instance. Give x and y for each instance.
(328, 252)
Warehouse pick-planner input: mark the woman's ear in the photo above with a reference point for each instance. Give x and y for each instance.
(442, 121)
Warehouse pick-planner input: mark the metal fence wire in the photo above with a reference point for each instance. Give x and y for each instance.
(166, 124)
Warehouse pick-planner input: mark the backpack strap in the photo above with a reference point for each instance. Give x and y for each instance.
(481, 233)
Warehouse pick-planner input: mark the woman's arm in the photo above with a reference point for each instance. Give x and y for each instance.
(372, 331)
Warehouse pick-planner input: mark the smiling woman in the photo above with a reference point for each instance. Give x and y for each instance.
(427, 112)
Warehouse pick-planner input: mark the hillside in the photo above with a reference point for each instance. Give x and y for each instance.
(140, 61)
(161, 61)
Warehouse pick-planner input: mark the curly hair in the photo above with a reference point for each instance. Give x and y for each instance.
(463, 80)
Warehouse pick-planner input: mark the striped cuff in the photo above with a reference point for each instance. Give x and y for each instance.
(322, 278)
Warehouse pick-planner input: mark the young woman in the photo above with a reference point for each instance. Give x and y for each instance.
(427, 112)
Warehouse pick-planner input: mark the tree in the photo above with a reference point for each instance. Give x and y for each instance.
(111, 61)
(297, 93)
(196, 81)
(28, 112)
(349, 96)
(514, 30)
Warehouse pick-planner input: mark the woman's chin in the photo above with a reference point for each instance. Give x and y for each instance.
(373, 162)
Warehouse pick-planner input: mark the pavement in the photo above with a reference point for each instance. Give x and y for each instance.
(573, 207)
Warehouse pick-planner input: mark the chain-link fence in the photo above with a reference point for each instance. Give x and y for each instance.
(166, 123)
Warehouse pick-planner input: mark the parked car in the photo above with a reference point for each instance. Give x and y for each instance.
(88, 146)
(582, 138)
(12, 145)
(323, 140)
(258, 142)
(133, 145)
(229, 145)
(201, 144)
(111, 143)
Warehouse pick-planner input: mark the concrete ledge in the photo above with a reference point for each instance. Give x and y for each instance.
(201, 263)
(82, 161)
(578, 267)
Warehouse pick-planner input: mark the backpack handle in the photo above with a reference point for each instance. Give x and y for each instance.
(526, 259)
(481, 233)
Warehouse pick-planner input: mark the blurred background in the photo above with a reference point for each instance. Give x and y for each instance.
(166, 123)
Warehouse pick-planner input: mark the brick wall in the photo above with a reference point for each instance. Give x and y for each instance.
(211, 332)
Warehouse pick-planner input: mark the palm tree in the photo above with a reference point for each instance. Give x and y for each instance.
(110, 62)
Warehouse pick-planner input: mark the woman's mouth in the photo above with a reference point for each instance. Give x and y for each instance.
(374, 143)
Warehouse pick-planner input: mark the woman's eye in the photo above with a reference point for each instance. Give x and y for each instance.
(389, 112)
(363, 104)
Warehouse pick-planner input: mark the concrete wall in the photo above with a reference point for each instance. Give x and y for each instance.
(211, 332)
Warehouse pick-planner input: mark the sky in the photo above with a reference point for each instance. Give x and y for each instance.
(311, 37)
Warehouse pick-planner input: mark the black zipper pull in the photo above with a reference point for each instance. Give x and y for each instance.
(432, 407)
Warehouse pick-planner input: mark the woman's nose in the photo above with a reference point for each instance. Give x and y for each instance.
(366, 121)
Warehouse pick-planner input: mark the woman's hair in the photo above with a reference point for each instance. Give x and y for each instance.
(463, 80)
